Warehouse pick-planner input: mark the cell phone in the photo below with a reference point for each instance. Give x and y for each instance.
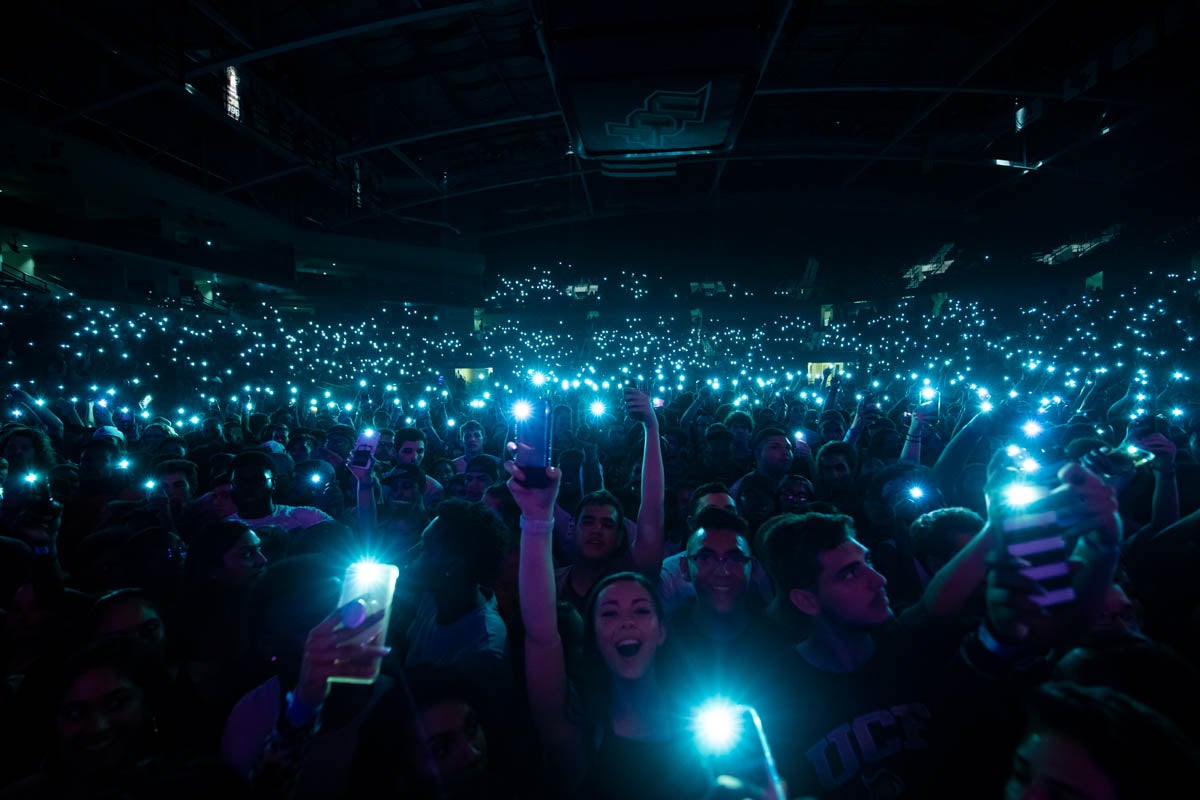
(635, 416)
(1037, 538)
(367, 588)
(736, 750)
(1147, 425)
(36, 488)
(364, 448)
(534, 435)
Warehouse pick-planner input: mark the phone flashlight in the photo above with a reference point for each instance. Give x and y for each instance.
(149, 485)
(1032, 429)
(916, 492)
(598, 409)
(799, 436)
(367, 589)
(315, 478)
(718, 726)
(123, 463)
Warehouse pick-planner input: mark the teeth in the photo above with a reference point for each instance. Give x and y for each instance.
(624, 642)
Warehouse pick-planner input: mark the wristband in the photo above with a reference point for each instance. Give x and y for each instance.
(45, 551)
(992, 644)
(298, 713)
(536, 527)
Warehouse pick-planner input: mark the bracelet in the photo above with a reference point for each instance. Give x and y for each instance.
(298, 713)
(536, 527)
(45, 551)
(992, 644)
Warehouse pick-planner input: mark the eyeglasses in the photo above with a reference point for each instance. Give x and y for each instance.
(708, 560)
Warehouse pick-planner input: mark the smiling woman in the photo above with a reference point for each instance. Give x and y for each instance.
(623, 741)
(103, 705)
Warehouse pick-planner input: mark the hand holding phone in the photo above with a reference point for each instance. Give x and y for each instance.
(352, 638)
(38, 520)
(638, 405)
(533, 437)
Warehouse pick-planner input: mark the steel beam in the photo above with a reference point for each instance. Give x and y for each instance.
(539, 29)
(762, 71)
(936, 104)
(424, 137)
(333, 36)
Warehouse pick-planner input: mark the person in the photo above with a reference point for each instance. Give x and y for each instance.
(410, 449)
(429, 740)
(794, 494)
(176, 482)
(480, 473)
(939, 535)
(455, 624)
(625, 743)
(721, 639)
(837, 463)
(129, 614)
(674, 583)
(252, 487)
(222, 563)
(101, 712)
(872, 694)
(741, 427)
(1096, 742)
(472, 437)
(755, 491)
(295, 733)
(599, 535)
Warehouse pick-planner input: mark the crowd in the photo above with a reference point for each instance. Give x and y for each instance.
(959, 564)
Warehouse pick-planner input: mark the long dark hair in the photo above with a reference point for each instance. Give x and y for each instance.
(594, 679)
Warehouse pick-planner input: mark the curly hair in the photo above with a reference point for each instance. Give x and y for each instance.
(43, 458)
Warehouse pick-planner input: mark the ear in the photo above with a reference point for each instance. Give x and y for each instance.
(662, 632)
(805, 601)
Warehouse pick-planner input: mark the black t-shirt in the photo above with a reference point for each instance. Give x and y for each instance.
(626, 769)
(747, 668)
(868, 733)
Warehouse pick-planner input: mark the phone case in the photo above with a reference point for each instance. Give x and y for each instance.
(533, 444)
(375, 585)
(1037, 539)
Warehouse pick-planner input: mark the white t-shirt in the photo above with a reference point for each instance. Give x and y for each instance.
(289, 518)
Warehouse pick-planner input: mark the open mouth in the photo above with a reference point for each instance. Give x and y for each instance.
(628, 648)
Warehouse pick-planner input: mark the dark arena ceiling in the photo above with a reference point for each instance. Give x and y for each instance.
(691, 138)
